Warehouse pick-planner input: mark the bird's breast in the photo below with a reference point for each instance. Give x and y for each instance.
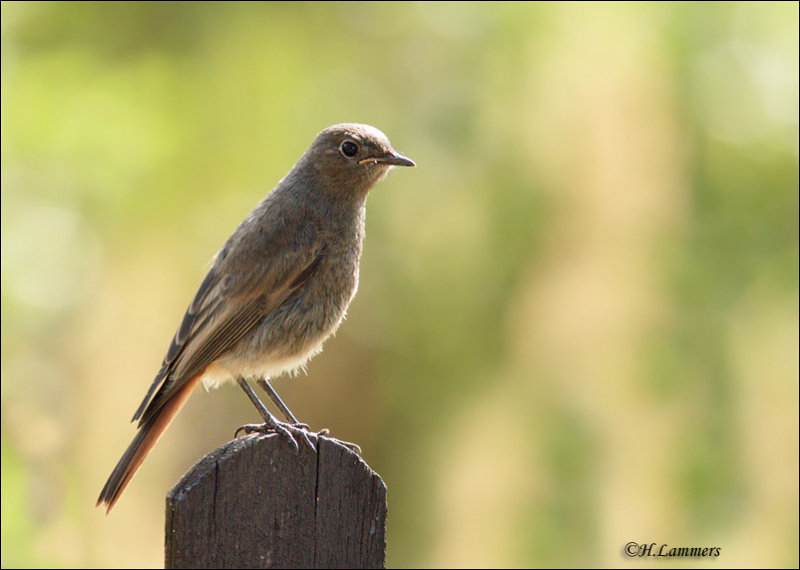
(284, 340)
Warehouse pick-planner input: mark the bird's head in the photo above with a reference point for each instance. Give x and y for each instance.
(354, 157)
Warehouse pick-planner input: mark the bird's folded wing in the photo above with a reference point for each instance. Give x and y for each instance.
(227, 305)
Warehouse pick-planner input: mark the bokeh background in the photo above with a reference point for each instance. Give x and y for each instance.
(577, 324)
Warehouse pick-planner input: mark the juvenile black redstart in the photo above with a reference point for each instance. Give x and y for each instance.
(276, 290)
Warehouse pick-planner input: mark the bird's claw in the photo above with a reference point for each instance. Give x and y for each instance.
(293, 430)
(351, 446)
(289, 430)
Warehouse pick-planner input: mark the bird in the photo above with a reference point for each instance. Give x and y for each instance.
(276, 290)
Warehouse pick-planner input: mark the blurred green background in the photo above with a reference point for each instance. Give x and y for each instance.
(577, 324)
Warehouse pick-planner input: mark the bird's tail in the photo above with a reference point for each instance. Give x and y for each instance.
(143, 442)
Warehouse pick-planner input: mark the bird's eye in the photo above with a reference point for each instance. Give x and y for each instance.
(349, 149)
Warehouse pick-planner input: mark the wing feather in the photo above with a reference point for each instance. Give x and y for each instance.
(227, 305)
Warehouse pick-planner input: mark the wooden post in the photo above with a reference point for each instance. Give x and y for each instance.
(255, 502)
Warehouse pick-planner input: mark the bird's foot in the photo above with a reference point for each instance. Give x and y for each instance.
(351, 446)
(286, 429)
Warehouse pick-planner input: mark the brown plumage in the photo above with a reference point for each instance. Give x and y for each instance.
(278, 287)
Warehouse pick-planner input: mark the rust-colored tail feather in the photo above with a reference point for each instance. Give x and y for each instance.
(142, 443)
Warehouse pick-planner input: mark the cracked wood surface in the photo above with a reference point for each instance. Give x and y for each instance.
(255, 502)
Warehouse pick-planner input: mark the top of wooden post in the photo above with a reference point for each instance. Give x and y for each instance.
(257, 502)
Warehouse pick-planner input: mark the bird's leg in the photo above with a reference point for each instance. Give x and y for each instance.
(273, 395)
(270, 423)
(265, 385)
(269, 419)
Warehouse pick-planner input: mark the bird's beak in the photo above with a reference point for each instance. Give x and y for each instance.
(390, 157)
